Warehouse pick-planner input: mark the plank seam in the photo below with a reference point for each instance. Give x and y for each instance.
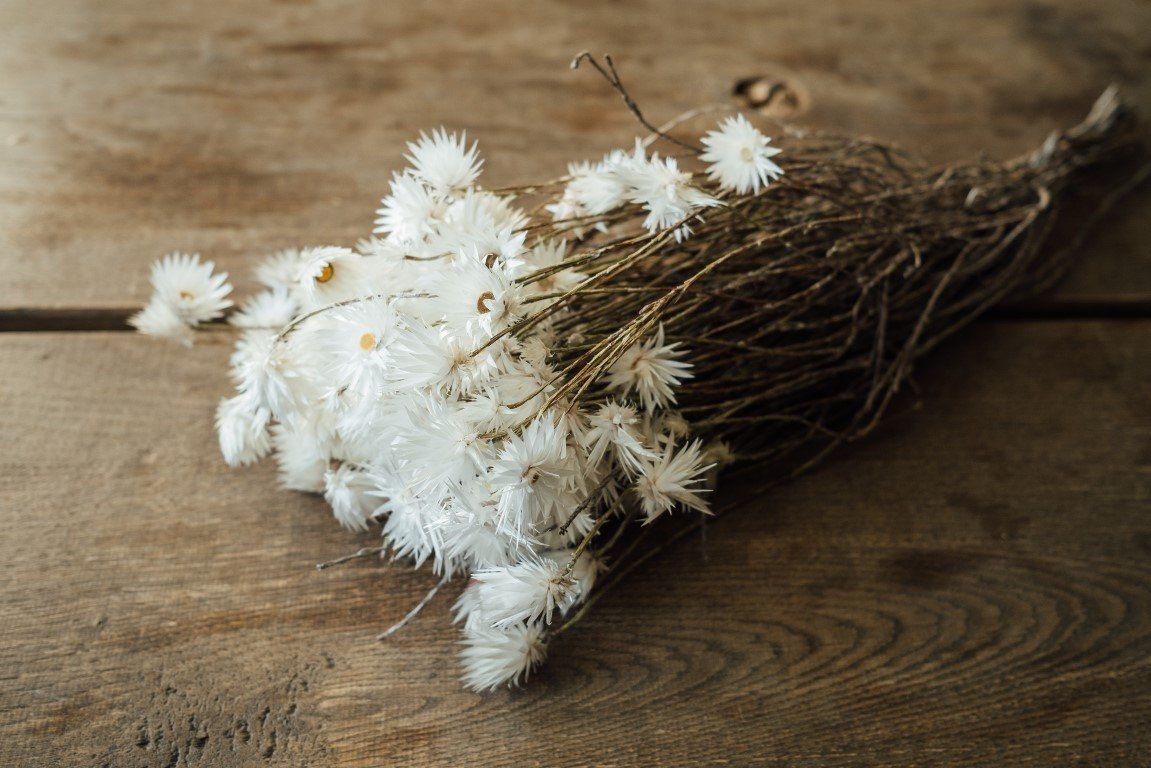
(36, 320)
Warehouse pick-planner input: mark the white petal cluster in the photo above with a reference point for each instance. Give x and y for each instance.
(667, 194)
(651, 370)
(409, 382)
(739, 156)
(497, 657)
(185, 293)
(673, 478)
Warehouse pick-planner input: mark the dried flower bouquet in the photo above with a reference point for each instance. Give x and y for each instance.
(514, 393)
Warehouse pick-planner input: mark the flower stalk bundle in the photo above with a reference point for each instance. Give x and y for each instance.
(515, 383)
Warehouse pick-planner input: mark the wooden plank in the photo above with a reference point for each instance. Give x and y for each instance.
(968, 587)
(129, 128)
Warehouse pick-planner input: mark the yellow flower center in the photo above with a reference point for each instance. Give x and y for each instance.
(325, 274)
(367, 342)
(185, 295)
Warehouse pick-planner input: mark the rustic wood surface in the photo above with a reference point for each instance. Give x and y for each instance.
(129, 128)
(971, 586)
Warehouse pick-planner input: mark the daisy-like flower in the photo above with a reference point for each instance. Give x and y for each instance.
(739, 156)
(346, 491)
(329, 274)
(477, 542)
(191, 288)
(160, 319)
(242, 427)
(444, 162)
(353, 344)
(593, 189)
(477, 209)
(531, 475)
(373, 376)
(496, 657)
(473, 226)
(665, 192)
(280, 269)
(301, 457)
(651, 369)
(425, 356)
(183, 289)
(411, 211)
(614, 426)
(547, 255)
(583, 574)
(535, 351)
(264, 367)
(671, 480)
(528, 591)
(274, 308)
(473, 300)
(440, 446)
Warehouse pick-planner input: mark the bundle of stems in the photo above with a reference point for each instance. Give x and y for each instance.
(511, 392)
(807, 304)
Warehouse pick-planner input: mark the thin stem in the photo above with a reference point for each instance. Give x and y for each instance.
(412, 614)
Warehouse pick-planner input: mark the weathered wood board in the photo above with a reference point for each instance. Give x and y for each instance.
(130, 128)
(970, 586)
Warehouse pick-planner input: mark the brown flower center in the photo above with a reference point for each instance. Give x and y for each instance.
(482, 302)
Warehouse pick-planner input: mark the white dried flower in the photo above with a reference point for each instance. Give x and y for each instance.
(346, 489)
(302, 457)
(497, 657)
(185, 292)
(242, 427)
(593, 190)
(444, 162)
(739, 156)
(529, 591)
(613, 426)
(548, 255)
(672, 479)
(353, 345)
(160, 319)
(650, 369)
(411, 211)
(531, 475)
(474, 301)
(375, 376)
(280, 269)
(664, 191)
(330, 274)
(264, 366)
(272, 309)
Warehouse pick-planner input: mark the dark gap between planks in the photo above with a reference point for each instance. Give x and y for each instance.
(27, 320)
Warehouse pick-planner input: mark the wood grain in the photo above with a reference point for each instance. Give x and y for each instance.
(969, 587)
(129, 128)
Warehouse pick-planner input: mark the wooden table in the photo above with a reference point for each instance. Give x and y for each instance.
(971, 586)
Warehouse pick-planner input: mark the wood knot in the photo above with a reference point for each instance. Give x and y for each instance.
(772, 96)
